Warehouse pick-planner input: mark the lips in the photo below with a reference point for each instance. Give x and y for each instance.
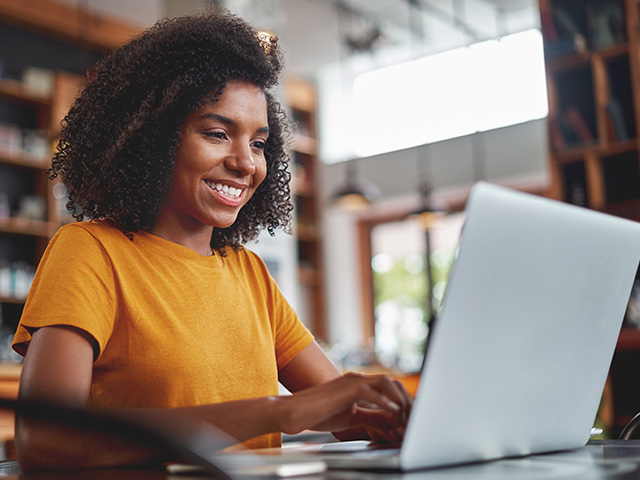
(224, 189)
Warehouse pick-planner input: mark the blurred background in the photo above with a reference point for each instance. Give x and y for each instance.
(401, 106)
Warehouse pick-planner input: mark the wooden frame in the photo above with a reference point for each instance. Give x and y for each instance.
(68, 22)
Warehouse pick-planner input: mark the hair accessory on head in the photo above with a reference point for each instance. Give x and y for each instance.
(267, 40)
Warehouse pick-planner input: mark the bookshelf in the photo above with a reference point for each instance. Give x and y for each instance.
(592, 50)
(301, 99)
(71, 40)
(592, 55)
(24, 232)
(45, 47)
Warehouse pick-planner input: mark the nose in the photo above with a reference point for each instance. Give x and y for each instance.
(241, 159)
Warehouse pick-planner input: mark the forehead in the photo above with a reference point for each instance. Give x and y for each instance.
(240, 98)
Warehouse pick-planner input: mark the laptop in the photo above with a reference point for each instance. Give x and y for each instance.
(517, 360)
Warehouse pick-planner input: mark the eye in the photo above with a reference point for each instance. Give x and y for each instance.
(258, 145)
(217, 134)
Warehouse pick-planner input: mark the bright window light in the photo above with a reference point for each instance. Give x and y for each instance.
(481, 87)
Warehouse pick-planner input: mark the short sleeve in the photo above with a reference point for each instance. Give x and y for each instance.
(291, 335)
(73, 286)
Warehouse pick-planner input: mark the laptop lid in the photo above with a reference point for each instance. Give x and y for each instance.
(518, 357)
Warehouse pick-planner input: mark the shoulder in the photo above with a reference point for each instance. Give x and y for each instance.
(250, 263)
(100, 231)
(246, 258)
(95, 228)
(85, 239)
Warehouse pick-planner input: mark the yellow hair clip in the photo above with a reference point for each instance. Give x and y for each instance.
(267, 40)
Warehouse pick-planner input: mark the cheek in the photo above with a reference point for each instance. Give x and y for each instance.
(258, 177)
(261, 172)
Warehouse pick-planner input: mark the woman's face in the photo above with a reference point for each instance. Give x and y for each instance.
(220, 160)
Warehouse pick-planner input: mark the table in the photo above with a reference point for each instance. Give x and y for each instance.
(599, 460)
(9, 382)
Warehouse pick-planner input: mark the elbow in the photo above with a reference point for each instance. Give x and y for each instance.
(42, 445)
(28, 450)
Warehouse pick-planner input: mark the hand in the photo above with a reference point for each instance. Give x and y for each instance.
(377, 403)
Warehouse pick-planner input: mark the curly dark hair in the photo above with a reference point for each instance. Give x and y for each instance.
(118, 144)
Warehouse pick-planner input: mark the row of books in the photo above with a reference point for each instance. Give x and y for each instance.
(564, 34)
(571, 130)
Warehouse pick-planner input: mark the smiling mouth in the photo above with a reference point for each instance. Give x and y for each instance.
(226, 190)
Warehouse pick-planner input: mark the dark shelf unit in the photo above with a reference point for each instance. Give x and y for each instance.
(63, 40)
(301, 99)
(592, 50)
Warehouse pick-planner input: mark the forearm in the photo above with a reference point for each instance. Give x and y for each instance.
(45, 445)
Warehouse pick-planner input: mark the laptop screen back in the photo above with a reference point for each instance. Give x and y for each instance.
(522, 346)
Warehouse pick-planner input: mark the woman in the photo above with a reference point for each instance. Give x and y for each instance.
(174, 153)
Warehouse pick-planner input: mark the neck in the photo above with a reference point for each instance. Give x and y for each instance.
(194, 237)
(200, 246)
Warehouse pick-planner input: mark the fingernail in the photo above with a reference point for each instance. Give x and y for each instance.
(394, 406)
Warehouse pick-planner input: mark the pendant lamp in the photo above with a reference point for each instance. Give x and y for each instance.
(355, 194)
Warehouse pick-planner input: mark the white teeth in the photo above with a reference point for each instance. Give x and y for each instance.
(226, 189)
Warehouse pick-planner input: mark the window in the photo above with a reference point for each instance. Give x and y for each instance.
(481, 87)
(400, 284)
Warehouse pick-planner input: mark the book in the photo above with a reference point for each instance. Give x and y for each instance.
(10, 139)
(616, 117)
(606, 24)
(575, 122)
(575, 44)
(577, 194)
(548, 28)
(563, 36)
(556, 136)
(565, 23)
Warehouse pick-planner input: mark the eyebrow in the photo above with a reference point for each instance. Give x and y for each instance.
(229, 121)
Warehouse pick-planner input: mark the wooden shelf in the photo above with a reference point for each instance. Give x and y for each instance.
(629, 340)
(19, 92)
(21, 226)
(26, 240)
(309, 276)
(303, 190)
(568, 61)
(594, 99)
(594, 96)
(13, 300)
(70, 22)
(301, 98)
(24, 160)
(613, 51)
(305, 145)
(308, 233)
(600, 150)
(573, 60)
(10, 371)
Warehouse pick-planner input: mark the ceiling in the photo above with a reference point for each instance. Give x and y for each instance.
(315, 33)
(430, 19)
(320, 32)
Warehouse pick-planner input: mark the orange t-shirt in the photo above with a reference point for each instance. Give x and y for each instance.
(173, 328)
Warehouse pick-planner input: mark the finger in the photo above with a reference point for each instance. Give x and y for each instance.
(335, 402)
(379, 436)
(379, 390)
(407, 402)
(378, 419)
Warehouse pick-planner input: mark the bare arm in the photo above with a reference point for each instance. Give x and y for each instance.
(58, 369)
(311, 368)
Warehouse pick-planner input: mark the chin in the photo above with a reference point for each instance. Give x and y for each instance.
(223, 224)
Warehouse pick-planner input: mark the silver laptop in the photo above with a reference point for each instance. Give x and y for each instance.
(517, 359)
